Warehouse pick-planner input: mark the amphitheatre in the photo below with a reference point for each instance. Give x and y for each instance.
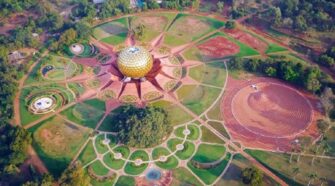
(67, 101)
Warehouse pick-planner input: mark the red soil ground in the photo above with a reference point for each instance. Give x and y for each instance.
(218, 47)
(247, 39)
(271, 116)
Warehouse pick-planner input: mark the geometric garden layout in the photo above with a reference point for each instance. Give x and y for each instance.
(67, 102)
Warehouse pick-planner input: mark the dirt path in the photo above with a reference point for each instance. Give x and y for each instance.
(33, 158)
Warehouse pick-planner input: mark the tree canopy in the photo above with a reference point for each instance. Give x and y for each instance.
(141, 127)
(252, 176)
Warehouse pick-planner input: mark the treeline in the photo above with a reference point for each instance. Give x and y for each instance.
(8, 7)
(301, 15)
(308, 77)
(87, 10)
(328, 59)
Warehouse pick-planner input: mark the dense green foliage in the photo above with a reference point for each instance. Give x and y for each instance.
(14, 142)
(11, 6)
(328, 58)
(301, 15)
(74, 175)
(141, 127)
(8, 87)
(308, 77)
(252, 176)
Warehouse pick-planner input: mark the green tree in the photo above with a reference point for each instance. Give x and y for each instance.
(270, 71)
(68, 37)
(142, 127)
(220, 6)
(252, 176)
(74, 176)
(230, 25)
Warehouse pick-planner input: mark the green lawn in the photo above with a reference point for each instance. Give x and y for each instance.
(115, 39)
(279, 164)
(211, 73)
(208, 136)
(193, 53)
(131, 168)
(274, 48)
(125, 181)
(101, 148)
(187, 28)
(83, 114)
(209, 153)
(124, 150)
(176, 114)
(220, 128)
(187, 152)
(56, 142)
(181, 176)
(113, 163)
(208, 176)
(98, 168)
(197, 98)
(170, 163)
(88, 154)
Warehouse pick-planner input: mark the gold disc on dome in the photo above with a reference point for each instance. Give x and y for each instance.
(134, 62)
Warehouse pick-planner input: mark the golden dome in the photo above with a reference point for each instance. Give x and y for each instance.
(134, 62)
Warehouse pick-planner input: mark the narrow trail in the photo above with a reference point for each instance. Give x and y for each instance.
(33, 158)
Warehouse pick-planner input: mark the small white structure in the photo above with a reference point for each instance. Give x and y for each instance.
(186, 132)
(35, 34)
(77, 49)
(138, 162)
(42, 105)
(118, 156)
(254, 87)
(180, 147)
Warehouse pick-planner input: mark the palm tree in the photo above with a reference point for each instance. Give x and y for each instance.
(312, 177)
(295, 171)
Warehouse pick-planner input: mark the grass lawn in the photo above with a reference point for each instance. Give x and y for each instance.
(193, 53)
(209, 153)
(131, 168)
(233, 175)
(114, 27)
(181, 176)
(215, 112)
(124, 150)
(195, 132)
(56, 142)
(279, 164)
(274, 48)
(107, 182)
(88, 154)
(208, 136)
(101, 148)
(171, 161)
(176, 114)
(115, 39)
(187, 152)
(220, 128)
(96, 103)
(83, 114)
(98, 168)
(113, 163)
(208, 176)
(210, 73)
(125, 181)
(186, 28)
(197, 98)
